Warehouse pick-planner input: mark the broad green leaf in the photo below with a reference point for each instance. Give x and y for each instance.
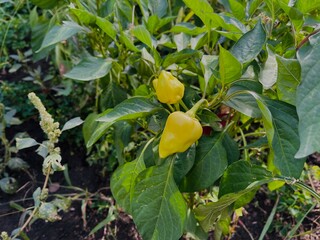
(285, 142)
(232, 148)
(89, 125)
(83, 16)
(269, 73)
(187, 28)
(238, 10)
(124, 38)
(211, 161)
(60, 33)
(90, 68)
(112, 96)
(123, 180)
(141, 33)
(123, 12)
(181, 40)
(241, 101)
(178, 57)
(158, 7)
(122, 137)
(296, 17)
(107, 27)
(253, 6)
(72, 123)
(209, 65)
(308, 99)
(289, 75)
(205, 12)
(207, 214)
(229, 67)
(250, 44)
(46, 4)
(307, 6)
(240, 175)
(193, 229)
(133, 108)
(158, 207)
(183, 163)
(22, 143)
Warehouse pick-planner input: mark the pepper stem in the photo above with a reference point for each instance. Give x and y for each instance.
(192, 112)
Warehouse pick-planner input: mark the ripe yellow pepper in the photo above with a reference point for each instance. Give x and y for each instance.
(180, 132)
(168, 88)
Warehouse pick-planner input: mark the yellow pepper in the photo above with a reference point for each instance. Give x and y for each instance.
(168, 88)
(180, 132)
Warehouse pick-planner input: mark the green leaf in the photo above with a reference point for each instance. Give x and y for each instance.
(122, 137)
(83, 16)
(269, 73)
(48, 211)
(289, 75)
(178, 57)
(112, 96)
(208, 214)
(123, 180)
(232, 149)
(89, 125)
(229, 67)
(285, 142)
(107, 27)
(209, 66)
(205, 12)
(60, 33)
(183, 163)
(238, 10)
(211, 161)
(158, 7)
(307, 6)
(16, 163)
(250, 44)
(22, 143)
(72, 123)
(9, 185)
(294, 14)
(182, 41)
(124, 38)
(240, 175)
(133, 108)
(143, 35)
(158, 207)
(90, 68)
(187, 28)
(308, 99)
(110, 217)
(45, 4)
(243, 102)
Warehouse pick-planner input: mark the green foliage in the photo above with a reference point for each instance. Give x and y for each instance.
(250, 74)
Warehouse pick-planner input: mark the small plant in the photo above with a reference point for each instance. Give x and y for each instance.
(43, 209)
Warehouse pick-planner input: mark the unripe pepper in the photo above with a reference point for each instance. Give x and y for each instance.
(180, 132)
(168, 88)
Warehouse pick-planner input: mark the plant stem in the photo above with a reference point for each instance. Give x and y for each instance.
(192, 112)
(36, 208)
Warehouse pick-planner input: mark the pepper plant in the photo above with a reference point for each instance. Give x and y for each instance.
(214, 99)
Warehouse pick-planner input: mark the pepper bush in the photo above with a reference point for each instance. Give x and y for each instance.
(246, 69)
